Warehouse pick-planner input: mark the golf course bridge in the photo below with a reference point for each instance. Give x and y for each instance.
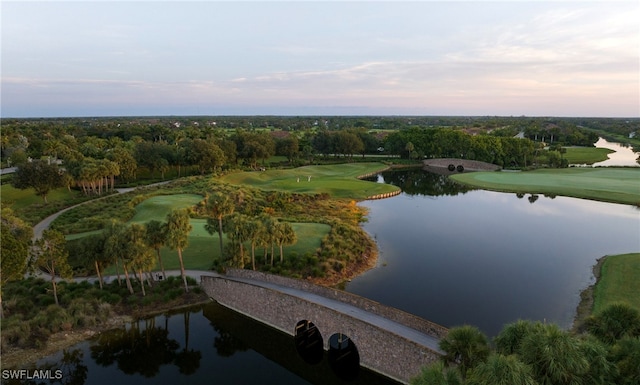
(353, 330)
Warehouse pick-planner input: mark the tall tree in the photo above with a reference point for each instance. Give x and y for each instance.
(51, 256)
(111, 246)
(236, 231)
(284, 236)
(39, 175)
(14, 248)
(117, 248)
(218, 205)
(141, 258)
(255, 231)
(178, 228)
(156, 237)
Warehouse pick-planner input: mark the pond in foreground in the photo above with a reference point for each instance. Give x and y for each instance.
(207, 344)
(455, 256)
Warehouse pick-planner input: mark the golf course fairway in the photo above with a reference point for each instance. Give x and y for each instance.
(616, 185)
(339, 180)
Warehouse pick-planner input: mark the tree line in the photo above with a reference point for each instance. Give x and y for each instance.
(213, 142)
(95, 164)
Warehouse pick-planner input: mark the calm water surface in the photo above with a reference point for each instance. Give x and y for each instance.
(488, 258)
(204, 345)
(623, 156)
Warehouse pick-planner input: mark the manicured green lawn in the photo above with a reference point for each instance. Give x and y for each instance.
(18, 199)
(159, 206)
(586, 155)
(617, 185)
(339, 180)
(619, 281)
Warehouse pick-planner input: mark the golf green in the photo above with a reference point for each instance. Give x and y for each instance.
(339, 181)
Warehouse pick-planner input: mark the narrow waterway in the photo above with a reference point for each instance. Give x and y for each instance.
(623, 156)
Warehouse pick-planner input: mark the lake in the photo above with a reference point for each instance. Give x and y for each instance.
(459, 256)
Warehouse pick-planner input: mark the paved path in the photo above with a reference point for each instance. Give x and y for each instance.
(45, 223)
(347, 309)
(8, 170)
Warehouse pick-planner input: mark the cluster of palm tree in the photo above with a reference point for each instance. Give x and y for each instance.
(535, 353)
(261, 231)
(94, 175)
(131, 247)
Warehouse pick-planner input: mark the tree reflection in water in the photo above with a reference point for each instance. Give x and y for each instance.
(416, 181)
(144, 348)
(68, 370)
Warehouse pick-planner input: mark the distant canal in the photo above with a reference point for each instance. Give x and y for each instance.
(458, 256)
(623, 156)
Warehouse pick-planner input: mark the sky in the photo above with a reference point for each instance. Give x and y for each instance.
(475, 58)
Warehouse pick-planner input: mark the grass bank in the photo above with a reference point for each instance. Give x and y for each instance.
(338, 180)
(617, 280)
(616, 185)
(586, 155)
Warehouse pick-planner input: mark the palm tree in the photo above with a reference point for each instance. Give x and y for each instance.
(409, 147)
(117, 248)
(554, 355)
(601, 370)
(219, 205)
(178, 228)
(285, 236)
(437, 374)
(156, 237)
(269, 234)
(236, 230)
(510, 338)
(140, 257)
(254, 231)
(614, 322)
(466, 346)
(501, 370)
(626, 355)
(112, 254)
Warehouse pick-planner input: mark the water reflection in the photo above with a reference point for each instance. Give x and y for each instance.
(201, 345)
(141, 349)
(623, 155)
(414, 181)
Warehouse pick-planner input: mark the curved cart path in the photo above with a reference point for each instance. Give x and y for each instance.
(40, 227)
